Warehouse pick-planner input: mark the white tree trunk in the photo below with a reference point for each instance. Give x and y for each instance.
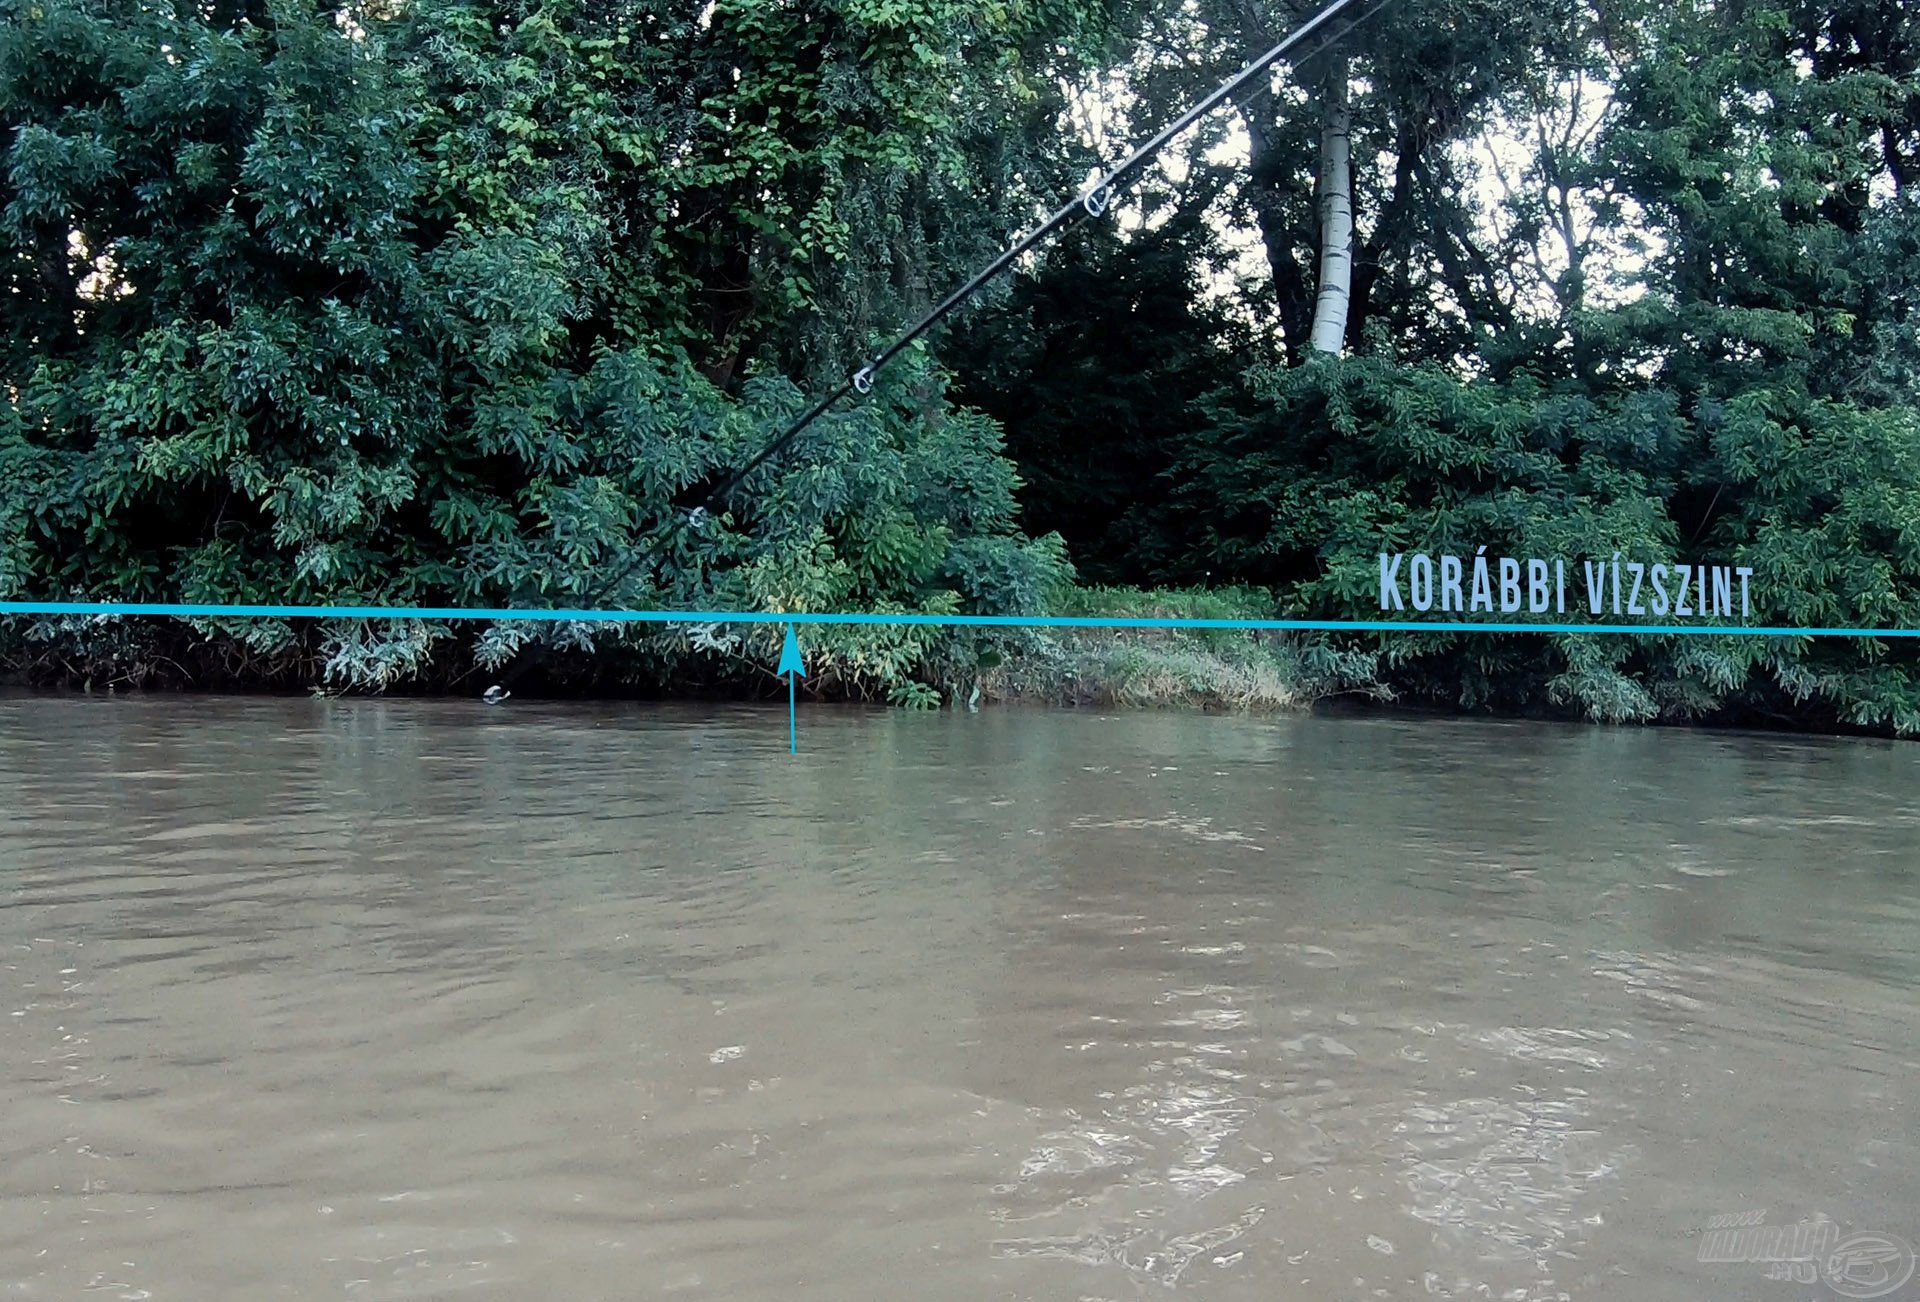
(1336, 214)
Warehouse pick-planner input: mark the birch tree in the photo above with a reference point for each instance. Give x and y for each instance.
(1336, 212)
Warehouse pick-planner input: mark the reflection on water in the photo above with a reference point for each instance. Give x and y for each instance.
(417, 1000)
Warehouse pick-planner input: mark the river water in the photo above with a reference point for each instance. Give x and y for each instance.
(424, 999)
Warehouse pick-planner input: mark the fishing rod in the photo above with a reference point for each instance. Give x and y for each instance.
(1092, 202)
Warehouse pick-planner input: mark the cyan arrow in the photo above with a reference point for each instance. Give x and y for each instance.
(790, 665)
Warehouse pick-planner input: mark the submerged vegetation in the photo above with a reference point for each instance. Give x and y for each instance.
(446, 302)
(1226, 669)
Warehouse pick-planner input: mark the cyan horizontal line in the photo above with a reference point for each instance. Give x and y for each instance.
(877, 619)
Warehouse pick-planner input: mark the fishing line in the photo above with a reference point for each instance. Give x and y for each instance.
(1092, 202)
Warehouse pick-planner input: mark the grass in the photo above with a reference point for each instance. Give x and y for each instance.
(1218, 669)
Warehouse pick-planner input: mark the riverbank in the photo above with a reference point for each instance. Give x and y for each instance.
(1651, 678)
(1217, 669)
(923, 667)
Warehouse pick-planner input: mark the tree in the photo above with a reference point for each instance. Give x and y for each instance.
(1335, 293)
(1099, 365)
(341, 313)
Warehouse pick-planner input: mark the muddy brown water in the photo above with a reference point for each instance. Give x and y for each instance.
(316, 999)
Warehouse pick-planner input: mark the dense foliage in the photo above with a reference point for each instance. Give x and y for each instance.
(438, 309)
(1679, 323)
(439, 302)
